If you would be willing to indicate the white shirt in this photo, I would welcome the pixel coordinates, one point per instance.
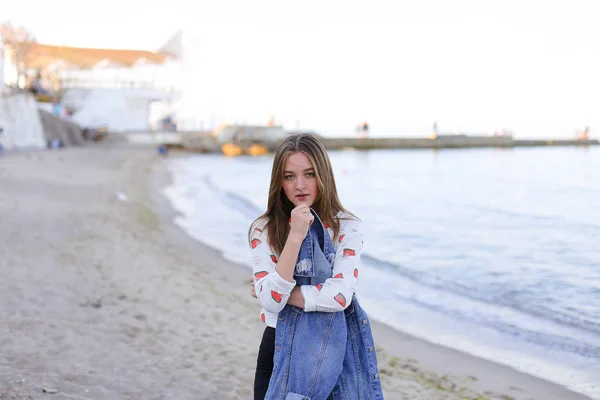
(335, 294)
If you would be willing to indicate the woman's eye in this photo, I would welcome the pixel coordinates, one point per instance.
(311, 174)
(288, 177)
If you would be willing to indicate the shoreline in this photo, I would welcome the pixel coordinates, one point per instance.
(104, 296)
(499, 381)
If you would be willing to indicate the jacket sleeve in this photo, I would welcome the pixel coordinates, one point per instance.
(335, 294)
(271, 289)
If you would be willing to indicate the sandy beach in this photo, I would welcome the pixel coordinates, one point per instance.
(103, 297)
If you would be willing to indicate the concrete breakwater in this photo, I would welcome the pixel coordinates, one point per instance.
(448, 142)
(207, 143)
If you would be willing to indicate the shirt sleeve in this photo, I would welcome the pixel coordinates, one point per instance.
(271, 289)
(335, 294)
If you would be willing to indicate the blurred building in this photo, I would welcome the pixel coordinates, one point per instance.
(117, 90)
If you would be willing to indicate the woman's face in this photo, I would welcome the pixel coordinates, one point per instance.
(299, 180)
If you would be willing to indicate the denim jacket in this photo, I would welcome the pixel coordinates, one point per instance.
(323, 355)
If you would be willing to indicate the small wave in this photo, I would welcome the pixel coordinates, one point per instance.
(536, 310)
(234, 200)
(548, 341)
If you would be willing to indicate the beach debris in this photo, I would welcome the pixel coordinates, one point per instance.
(94, 303)
(140, 317)
(162, 150)
(55, 144)
(122, 196)
(51, 391)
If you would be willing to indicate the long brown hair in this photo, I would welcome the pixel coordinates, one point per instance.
(327, 205)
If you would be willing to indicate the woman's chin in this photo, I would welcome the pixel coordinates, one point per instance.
(308, 201)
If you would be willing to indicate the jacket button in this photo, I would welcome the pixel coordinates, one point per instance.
(365, 322)
(376, 376)
(371, 348)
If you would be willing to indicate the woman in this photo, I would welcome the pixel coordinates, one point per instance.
(306, 256)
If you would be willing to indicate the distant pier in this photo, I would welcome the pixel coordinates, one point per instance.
(446, 142)
(265, 142)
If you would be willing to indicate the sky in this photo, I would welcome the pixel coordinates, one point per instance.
(474, 66)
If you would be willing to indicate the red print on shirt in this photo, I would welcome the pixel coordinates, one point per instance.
(341, 238)
(339, 276)
(255, 242)
(319, 286)
(340, 299)
(276, 296)
(349, 253)
(260, 274)
(262, 317)
(356, 273)
(273, 258)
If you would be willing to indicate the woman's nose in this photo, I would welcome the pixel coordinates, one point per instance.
(300, 183)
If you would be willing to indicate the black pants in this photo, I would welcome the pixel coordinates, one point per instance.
(264, 363)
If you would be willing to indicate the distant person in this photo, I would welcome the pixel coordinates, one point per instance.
(306, 251)
(57, 108)
(585, 135)
(162, 150)
(365, 129)
(435, 132)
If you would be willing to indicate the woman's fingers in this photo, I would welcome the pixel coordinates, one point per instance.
(252, 289)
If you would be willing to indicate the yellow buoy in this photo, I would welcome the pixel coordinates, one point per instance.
(257, 150)
(231, 150)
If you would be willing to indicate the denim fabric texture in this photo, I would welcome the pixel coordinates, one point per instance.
(321, 355)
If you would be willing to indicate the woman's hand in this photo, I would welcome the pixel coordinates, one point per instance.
(252, 289)
(301, 218)
(296, 298)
